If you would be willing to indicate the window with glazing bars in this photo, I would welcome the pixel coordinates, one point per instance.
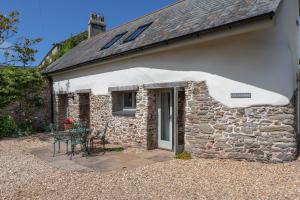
(137, 32)
(113, 41)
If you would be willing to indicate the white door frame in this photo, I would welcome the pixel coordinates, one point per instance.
(161, 143)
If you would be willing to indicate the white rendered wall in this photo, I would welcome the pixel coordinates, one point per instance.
(263, 63)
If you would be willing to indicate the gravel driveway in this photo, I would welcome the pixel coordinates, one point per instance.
(22, 176)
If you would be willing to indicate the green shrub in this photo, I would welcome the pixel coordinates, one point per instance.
(46, 128)
(8, 126)
(116, 149)
(23, 85)
(183, 156)
(23, 133)
(25, 128)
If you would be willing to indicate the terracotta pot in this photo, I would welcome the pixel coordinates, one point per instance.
(67, 126)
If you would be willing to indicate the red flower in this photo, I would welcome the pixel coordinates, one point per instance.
(69, 120)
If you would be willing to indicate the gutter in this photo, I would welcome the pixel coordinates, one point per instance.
(197, 34)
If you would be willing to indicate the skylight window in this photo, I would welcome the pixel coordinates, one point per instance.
(137, 32)
(113, 41)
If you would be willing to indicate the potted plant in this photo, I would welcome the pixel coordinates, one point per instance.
(68, 123)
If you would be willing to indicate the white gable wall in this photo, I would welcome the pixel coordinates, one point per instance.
(263, 62)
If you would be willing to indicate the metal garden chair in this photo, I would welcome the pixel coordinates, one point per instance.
(79, 134)
(58, 137)
(100, 135)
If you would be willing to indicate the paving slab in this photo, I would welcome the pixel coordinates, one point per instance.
(101, 161)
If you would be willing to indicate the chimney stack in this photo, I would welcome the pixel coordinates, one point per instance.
(96, 25)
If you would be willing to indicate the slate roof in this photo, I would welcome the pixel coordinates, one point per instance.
(177, 20)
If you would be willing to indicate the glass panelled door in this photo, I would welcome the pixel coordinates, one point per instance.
(165, 121)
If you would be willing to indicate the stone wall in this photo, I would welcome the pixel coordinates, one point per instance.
(152, 141)
(258, 133)
(207, 128)
(181, 117)
(100, 111)
(127, 129)
(73, 106)
(61, 110)
(40, 115)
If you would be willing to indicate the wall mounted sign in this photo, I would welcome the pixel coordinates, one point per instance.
(240, 95)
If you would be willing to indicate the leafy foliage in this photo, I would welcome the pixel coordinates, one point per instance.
(46, 128)
(8, 25)
(21, 84)
(66, 46)
(25, 128)
(73, 41)
(115, 149)
(183, 156)
(16, 50)
(8, 126)
(23, 87)
(23, 52)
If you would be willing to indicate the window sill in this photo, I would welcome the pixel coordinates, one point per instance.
(128, 112)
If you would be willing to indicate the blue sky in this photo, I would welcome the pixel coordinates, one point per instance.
(56, 20)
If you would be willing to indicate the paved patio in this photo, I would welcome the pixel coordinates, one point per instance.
(109, 160)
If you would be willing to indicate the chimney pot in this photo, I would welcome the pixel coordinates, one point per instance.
(96, 25)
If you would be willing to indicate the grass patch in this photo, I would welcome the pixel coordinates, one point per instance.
(183, 156)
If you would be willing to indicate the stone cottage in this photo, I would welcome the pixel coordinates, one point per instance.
(212, 77)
